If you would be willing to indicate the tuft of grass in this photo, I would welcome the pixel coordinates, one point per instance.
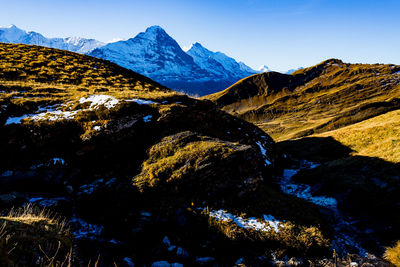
(169, 161)
(295, 237)
(392, 254)
(34, 237)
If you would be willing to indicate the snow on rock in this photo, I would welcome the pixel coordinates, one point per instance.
(15, 120)
(264, 153)
(129, 262)
(99, 100)
(166, 241)
(269, 223)
(84, 230)
(46, 202)
(88, 189)
(147, 118)
(54, 115)
(303, 190)
(165, 264)
(56, 161)
(141, 101)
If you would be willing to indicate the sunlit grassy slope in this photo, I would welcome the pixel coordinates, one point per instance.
(324, 97)
(375, 137)
(40, 74)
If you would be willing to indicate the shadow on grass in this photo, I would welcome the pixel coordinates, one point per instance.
(367, 188)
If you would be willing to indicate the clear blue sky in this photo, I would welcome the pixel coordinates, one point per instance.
(281, 34)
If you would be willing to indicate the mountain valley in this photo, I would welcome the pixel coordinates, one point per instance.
(111, 167)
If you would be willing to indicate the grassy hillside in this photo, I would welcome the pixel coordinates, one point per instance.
(31, 76)
(129, 162)
(324, 97)
(376, 137)
(345, 119)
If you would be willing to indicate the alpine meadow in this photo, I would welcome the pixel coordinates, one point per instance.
(140, 143)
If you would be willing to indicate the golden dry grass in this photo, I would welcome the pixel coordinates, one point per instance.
(40, 74)
(324, 97)
(32, 236)
(392, 254)
(376, 137)
(290, 235)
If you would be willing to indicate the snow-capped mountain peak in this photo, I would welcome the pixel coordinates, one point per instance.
(13, 34)
(153, 33)
(219, 63)
(199, 50)
(152, 53)
(263, 68)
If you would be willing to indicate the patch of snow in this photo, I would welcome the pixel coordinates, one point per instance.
(141, 101)
(147, 118)
(58, 161)
(303, 191)
(146, 214)
(54, 115)
(264, 153)
(166, 264)
(35, 199)
(88, 189)
(111, 181)
(84, 230)
(166, 241)
(16, 120)
(99, 100)
(269, 223)
(46, 202)
(129, 262)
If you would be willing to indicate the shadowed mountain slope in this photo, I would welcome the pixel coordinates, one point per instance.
(324, 97)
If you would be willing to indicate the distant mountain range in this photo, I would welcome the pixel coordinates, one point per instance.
(13, 34)
(157, 55)
(152, 53)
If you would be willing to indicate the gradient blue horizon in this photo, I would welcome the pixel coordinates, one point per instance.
(281, 34)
